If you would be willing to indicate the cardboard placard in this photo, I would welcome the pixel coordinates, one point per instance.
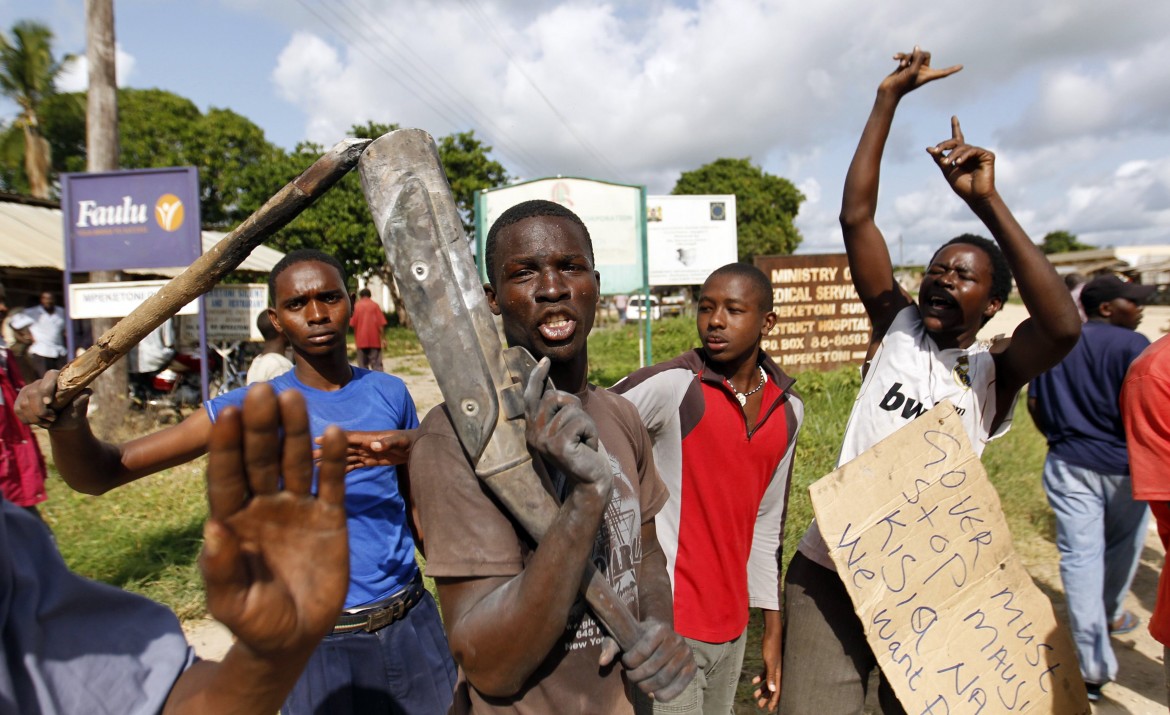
(918, 536)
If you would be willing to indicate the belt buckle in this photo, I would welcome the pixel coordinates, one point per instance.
(380, 619)
(385, 616)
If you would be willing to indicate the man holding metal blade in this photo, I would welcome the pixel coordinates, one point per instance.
(522, 636)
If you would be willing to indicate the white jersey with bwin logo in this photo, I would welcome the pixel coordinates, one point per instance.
(909, 375)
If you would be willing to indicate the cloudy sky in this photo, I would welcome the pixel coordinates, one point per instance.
(1072, 95)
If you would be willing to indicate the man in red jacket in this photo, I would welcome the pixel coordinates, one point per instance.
(22, 468)
(367, 323)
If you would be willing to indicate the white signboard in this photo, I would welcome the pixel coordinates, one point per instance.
(688, 237)
(232, 311)
(611, 212)
(115, 300)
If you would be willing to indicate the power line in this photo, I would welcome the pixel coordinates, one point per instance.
(474, 8)
(482, 119)
(436, 103)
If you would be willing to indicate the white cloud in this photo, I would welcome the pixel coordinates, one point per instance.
(1128, 94)
(1130, 205)
(74, 76)
(1066, 91)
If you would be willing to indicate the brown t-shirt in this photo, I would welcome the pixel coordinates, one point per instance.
(468, 535)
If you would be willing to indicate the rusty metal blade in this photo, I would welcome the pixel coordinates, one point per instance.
(423, 269)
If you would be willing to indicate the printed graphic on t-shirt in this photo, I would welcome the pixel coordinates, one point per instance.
(617, 551)
(907, 405)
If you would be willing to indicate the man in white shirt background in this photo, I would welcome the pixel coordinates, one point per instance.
(48, 331)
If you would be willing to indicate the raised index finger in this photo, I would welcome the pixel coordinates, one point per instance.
(534, 390)
(946, 71)
(956, 131)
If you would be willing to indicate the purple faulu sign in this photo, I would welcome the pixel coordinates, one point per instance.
(146, 218)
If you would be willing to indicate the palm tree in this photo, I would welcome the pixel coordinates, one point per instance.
(27, 75)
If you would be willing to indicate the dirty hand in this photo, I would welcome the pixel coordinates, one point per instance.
(275, 560)
(560, 431)
(32, 405)
(661, 663)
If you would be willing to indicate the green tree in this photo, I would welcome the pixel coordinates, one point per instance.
(28, 72)
(469, 171)
(1063, 242)
(339, 222)
(765, 205)
(161, 129)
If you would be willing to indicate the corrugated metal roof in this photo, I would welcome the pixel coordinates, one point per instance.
(32, 237)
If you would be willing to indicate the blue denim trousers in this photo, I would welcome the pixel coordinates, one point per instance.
(1100, 531)
(404, 668)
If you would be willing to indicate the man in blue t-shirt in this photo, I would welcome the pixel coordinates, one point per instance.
(388, 652)
(1100, 529)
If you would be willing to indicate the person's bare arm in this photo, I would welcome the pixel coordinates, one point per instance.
(869, 258)
(92, 466)
(1054, 326)
(414, 521)
(483, 615)
(275, 561)
(767, 694)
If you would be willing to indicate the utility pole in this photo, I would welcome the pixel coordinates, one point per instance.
(111, 389)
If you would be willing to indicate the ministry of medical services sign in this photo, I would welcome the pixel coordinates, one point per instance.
(147, 218)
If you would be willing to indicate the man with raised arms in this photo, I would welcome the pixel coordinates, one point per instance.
(920, 353)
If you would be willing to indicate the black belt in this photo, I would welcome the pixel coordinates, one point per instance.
(393, 608)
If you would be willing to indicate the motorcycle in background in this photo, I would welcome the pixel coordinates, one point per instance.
(164, 381)
(170, 393)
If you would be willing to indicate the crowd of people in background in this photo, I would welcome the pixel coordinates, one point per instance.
(322, 485)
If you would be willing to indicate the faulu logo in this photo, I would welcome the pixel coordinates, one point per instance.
(168, 212)
(90, 213)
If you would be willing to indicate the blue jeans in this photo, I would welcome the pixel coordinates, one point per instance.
(405, 668)
(1100, 531)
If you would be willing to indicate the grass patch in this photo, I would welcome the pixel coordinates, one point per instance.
(613, 350)
(398, 341)
(144, 537)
